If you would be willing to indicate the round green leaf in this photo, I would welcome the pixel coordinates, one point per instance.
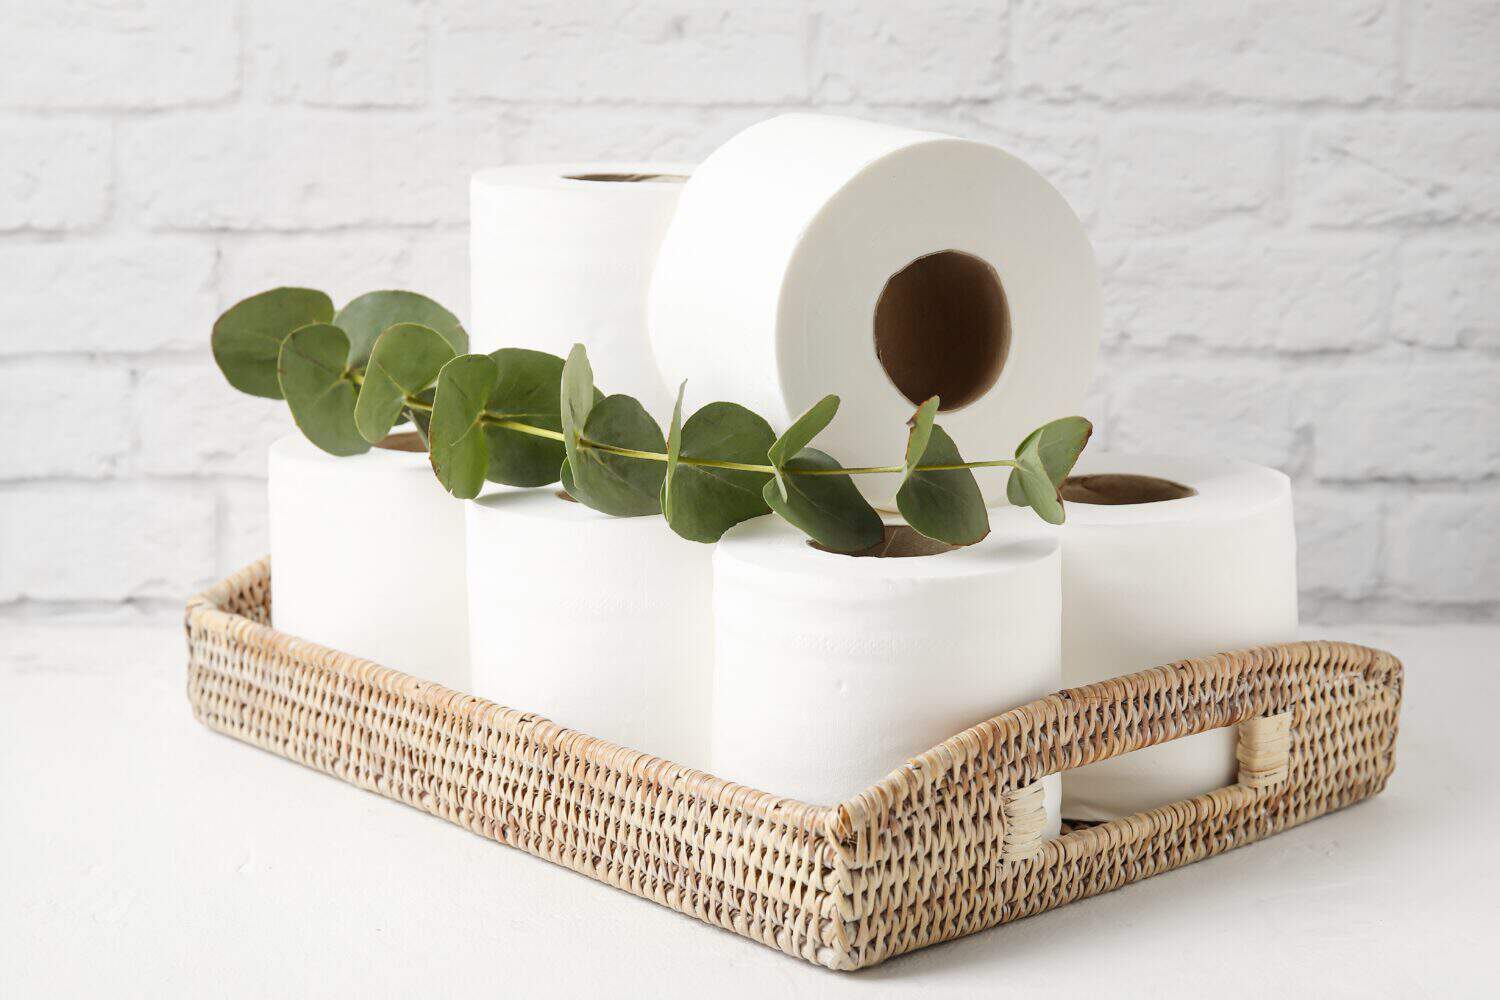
(702, 503)
(456, 442)
(829, 509)
(945, 504)
(617, 484)
(405, 361)
(800, 435)
(527, 390)
(315, 381)
(247, 337)
(367, 317)
(1040, 491)
(921, 431)
(1058, 445)
(576, 398)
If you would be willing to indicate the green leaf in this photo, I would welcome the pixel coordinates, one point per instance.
(315, 382)
(829, 509)
(576, 400)
(945, 504)
(406, 360)
(1040, 491)
(800, 435)
(456, 440)
(367, 317)
(527, 391)
(702, 503)
(916, 441)
(617, 484)
(674, 452)
(247, 337)
(1058, 445)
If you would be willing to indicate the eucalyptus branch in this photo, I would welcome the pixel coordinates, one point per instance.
(526, 418)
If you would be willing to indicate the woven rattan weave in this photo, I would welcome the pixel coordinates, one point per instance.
(945, 846)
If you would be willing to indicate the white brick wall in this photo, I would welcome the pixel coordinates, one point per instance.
(1296, 207)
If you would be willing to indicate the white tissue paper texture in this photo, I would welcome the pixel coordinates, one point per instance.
(767, 284)
(1148, 583)
(556, 261)
(831, 671)
(602, 624)
(367, 557)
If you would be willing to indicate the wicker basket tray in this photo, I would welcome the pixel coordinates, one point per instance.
(945, 846)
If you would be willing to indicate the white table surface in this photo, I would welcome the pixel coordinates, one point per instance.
(146, 856)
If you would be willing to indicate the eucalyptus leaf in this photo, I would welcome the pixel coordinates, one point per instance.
(617, 484)
(800, 435)
(364, 319)
(576, 399)
(674, 452)
(945, 504)
(1041, 492)
(315, 381)
(1058, 445)
(247, 337)
(702, 503)
(916, 440)
(406, 360)
(456, 440)
(829, 509)
(527, 391)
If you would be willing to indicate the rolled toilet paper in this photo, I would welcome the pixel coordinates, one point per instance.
(813, 254)
(562, 253)
(1165, 559)
(367, 557)
(831, 671)
(602, 624)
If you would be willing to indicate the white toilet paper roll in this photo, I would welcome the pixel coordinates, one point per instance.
(1163, 578)
(367, 557)
(813, 255)
(562, 253)
(602, 624)
(831, 671)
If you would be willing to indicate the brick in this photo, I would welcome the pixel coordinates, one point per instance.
(687, 52)
(193, 423)
(340, 53)
(1446, 547)
(1406, 169)
(115, 296)
(1270, 292)
(1338, 50)
(572, 133)
(1245, 410)
(243, 536)
(54, 175)
(342, 264)
(105, 542)
(1445, 295)
(74, 420)
(293, 171)
(143, 54)
(1171, 175)
(896, 52)
(1451, 54)
(1415, 420)
(1340, 536)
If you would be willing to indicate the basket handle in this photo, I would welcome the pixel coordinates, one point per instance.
(1264, 752)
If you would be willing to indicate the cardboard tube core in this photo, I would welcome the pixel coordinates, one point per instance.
(1119, 489)
(942, 328)
(403, 441)
(629, 178)
(901, 542)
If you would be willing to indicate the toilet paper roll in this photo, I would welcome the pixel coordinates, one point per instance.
(831, 671)
(813, 255)
(1165, 559)
(367, 556)
(562, 254)
(602, 624)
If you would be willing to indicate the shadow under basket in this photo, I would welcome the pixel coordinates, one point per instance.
(948, 844)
